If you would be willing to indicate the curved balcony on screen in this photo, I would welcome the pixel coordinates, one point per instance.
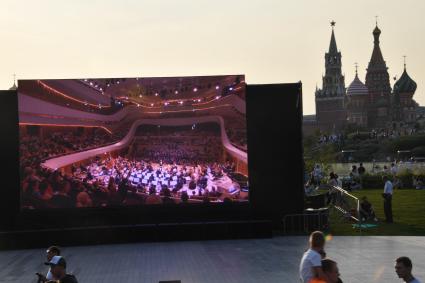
(60, 162)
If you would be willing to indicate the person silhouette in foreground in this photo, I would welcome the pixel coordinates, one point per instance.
(311, 262)
(330, 269)
(58, 269)
(403, 268)
(50, 253)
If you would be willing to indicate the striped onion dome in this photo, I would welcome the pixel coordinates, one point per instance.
(357, 87)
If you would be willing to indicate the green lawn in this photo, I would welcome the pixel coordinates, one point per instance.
(408, 214)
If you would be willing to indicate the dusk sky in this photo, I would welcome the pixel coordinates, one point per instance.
(268, 41)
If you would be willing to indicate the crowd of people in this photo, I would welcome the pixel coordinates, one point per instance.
(317, 267)
(330, 139)
(391, 133)
(33, 149)
(353, 179)
(236, 128)
(184, 145)
(168, 164)
(182, 150)
(238, 138)
(378, 134)
(335, 195)
(121, 129)
(38, 185)
(119, 181)
(179, 183)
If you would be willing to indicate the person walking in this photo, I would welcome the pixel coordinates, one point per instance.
(311, 262)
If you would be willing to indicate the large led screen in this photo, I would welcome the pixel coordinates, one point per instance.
(132, 142)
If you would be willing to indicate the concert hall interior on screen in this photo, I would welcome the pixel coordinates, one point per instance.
(132, 141)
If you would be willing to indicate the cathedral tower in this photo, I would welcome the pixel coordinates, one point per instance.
(378, 84)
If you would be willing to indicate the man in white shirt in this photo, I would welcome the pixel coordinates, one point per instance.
(403, 268)
(311, 262)
(388, 195)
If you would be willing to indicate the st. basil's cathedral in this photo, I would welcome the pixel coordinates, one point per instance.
(373, 104)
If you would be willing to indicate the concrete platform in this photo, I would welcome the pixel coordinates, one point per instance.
(360, 259)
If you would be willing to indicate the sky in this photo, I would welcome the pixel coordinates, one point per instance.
(270, 41)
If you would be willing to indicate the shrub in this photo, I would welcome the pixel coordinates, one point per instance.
(403, 179)
(406, 143)
(373, 181)
(406, 178)
(418, 151)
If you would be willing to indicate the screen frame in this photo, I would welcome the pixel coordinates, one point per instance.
(255, 208)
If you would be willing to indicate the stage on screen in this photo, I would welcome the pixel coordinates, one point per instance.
(132, 142)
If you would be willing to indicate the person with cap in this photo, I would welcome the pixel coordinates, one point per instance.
(50, 253)
(58, 270)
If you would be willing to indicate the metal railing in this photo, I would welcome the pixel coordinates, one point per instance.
(318, 219)
(341, 204)
(306, 222)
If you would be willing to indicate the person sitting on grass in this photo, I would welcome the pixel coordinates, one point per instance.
(418, 184)
(366, 210)
(354, 185)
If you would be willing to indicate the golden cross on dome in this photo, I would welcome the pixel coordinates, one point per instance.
(376, 20)
(356, 65)
(404, 61)
(333, 24)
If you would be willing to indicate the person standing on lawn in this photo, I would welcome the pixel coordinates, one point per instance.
(388, 196)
